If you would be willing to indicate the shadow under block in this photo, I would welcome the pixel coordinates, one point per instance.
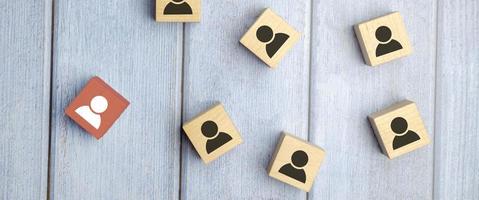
(383, 39)
(178, 10)
(399, 129)
(296, 162)
(270, 38)
(212, 133)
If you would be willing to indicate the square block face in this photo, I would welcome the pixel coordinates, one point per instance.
(97, 107)
(399, 129)
(296, 162)
(212, 133)
(383, 39)
(178, 10)
(270, 38)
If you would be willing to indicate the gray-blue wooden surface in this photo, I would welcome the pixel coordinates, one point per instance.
(321, 91)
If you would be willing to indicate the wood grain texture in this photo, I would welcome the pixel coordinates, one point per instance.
(261, 101)
(367, 34)
(393, 141)
(291, 157)
(457, 99)
(344, 91)
(139, 156)
(25, 66)
(223, 136)
(280, 32)
(162, 5)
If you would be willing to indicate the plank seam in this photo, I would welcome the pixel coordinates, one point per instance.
(180, 170)
(310, 18)
(435, 104)
(50, 115)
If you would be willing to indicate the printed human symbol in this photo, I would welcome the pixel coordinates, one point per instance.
(270, 38)
(299, 159)
(96, 107)
(177, 7)
(273, 41)
(212, 133)
(399, 128)
(91, 113)
(386, 43)
(295, 161)
(403, 136)
(215, 139)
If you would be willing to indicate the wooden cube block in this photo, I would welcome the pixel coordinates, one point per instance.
(399, 129)
(97, 107)
(383, 39)
(296, 162)
(212, 133)
(178, 10)
(270, 37)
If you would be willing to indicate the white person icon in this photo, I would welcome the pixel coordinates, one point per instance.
(91, 113)
(97, 107)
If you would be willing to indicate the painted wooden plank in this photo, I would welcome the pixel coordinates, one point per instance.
(344, 91)
(25, 55)
(457, 101)
(261, 101)
(120, 42)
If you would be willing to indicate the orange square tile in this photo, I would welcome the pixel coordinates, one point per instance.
(97, 107)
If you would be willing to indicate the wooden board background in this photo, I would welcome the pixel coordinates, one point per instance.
(321, 91)
(25, 71)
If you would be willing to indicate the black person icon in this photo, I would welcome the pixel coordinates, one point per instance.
(177, 7)
(274, 42)
(294, 169)
(386, 43)
(215, 139)
(403, 135)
